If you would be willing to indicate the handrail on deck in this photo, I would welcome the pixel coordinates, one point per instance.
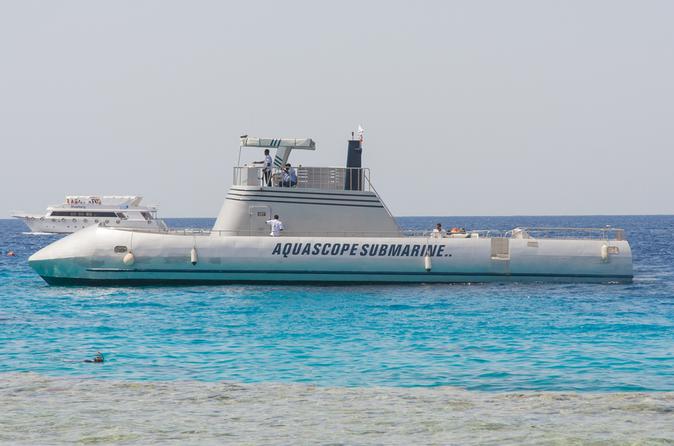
(526, 233)
(324, 178)
(558, 232)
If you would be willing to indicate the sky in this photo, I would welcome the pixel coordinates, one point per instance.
(470, 107)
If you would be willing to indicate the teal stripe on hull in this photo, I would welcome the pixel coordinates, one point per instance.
(317, 277)
(362, 273)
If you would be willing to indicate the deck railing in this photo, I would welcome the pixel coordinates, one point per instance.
(560, 233)
(324, 178)
(607, 233)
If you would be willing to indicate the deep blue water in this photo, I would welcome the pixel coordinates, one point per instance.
(489, 337)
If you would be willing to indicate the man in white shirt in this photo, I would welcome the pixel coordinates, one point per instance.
(437, 231)
(276, 226)
(266, 167)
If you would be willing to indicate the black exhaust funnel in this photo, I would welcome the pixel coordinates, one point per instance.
(354, 176)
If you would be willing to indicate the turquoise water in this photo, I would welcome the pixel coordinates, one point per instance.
(483, 337)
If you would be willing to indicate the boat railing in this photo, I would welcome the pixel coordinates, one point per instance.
(324, 178)
(607, 233)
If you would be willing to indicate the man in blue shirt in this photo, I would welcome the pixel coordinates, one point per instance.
(289, 176)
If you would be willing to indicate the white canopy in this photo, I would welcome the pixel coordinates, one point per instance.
(273, 143)
(104, 200)
(283, 146)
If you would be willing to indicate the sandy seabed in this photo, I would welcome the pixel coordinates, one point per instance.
(37, 409)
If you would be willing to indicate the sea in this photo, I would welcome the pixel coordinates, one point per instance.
(463, 364)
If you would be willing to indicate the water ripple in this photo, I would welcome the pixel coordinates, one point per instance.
(486, 337)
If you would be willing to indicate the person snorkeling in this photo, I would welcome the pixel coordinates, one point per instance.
(98, 358)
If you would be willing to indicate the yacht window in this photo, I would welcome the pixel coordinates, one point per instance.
(82, 214)
(120, 249)
(146, 215)
(122, 215)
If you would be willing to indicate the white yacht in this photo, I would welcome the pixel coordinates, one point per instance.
(80, 211)
(337, 229)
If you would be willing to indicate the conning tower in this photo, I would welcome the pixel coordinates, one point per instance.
(325, 201)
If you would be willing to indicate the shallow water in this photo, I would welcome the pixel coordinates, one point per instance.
(87, 411)
(344, 364)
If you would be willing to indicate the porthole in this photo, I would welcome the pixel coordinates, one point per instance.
(74, 220)
(96, 221)
(120, 249)
(117, 221)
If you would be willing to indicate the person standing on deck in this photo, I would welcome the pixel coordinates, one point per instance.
(276, 226)
(266, 167)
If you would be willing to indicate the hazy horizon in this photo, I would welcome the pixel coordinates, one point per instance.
(470, 109)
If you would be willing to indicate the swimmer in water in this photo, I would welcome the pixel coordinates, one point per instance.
(97, 358)
(10, 253)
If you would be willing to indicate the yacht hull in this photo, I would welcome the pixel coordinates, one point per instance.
(40, 224)
(96, 256)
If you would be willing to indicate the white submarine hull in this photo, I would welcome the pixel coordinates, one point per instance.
(100, 256)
